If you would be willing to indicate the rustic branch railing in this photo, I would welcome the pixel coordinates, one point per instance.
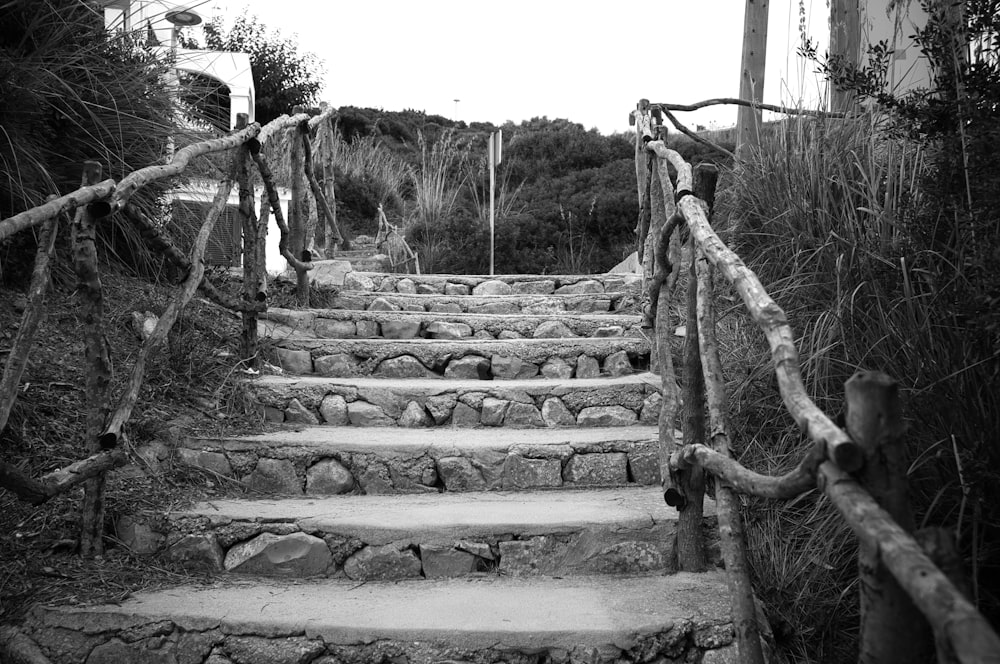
(93, 202)
(899, 581)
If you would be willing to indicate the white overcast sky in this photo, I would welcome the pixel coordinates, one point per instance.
(586, 61)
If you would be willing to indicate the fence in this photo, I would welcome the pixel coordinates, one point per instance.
(860, 470)
(94, 201)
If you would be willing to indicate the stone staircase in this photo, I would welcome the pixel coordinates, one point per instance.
(463, 469)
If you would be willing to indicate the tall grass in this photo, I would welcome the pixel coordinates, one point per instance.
(832, 215)
(437, 184)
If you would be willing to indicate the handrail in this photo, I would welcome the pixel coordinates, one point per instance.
(962, 631)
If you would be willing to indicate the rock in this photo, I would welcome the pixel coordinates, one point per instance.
(726, 655)
(509, 334)
(505, 368)
(401, 329)
(338, 365)
(295, 361)
(446, 330)
(538, 555)
(368, 329)
(556, 367)
(464, 416)
(536, 287)
(404, 366)
(592, 306)
(297, 555)
(468, 367)
(358, 281)
(650, 413)
(553, 329)
(555, 413)
(713, 636)
(606, 416)
(364, 414)
(492, 287)
(382, 563)
(296, 413)
(587, 367)
(602, 551)
(274, 476)
(326, 328)
(483, 334)
(608, 468)
(644, 467)
(272, 414)
(581, 287)
(445, 308)
(445, 561)
(328, 477)
(521, 415)
(478, 549)
(138, 536)
(430, 289)
(260, 650)
(617, 364)
(440, 407)
(197, 552)
(456, 289)
(374, 477)
(382, 304)
(458, 474)
(119, 652)
(415, 417)
(413, 306)
(406, 285)
(528, 370)
(522, 473)
(387, 285)
(333, 409)
(213, 462)
(609, 331)
(493, 411)
(496, 308)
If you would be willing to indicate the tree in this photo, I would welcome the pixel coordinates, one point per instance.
(283, 77)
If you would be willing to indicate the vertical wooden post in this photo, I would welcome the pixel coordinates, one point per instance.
(254, 285)
(845, 42)
(98, 360)
(748, 120)
(298, 211)
(893, 631)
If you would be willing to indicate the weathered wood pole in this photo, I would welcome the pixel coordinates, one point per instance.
(254, 279)
(97, 360)
(892, 629)
(298, 212)
(748, 120)
(845, 43)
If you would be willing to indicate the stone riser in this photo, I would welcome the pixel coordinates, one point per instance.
(426, 403)
(279, 323)
(279, 466)
(467, 359)
(683, 618)
(509, 284)
(541, 305)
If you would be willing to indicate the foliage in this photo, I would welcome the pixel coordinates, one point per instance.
(283, 77)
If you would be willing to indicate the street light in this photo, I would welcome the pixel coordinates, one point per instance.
(183, 18)
(456, 108)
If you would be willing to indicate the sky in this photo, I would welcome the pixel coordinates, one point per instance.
(587, 62)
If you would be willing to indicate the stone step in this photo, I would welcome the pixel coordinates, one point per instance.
(389, 537)
(484, 359)
(278, 323)
(600, 620)
(423, 402)
(485, 304)
(503, 284)
(332, 460)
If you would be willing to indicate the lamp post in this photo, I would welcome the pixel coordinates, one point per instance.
(456, 108)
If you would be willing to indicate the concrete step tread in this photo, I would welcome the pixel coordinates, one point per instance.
(445, 517)
(489, 304)
(607, 615)
(435, 385)
(419, 441)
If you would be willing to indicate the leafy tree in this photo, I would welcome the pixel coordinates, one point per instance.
(283, 77)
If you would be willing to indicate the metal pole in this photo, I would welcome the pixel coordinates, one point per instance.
(493, 166)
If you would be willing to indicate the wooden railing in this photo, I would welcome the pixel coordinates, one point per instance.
(95, 201)
(861, 470)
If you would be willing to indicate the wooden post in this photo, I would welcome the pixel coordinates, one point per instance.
(254, 284)
(845, 42)
(98, 361)
(892, 629)
(298, 211)
(748, 120)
